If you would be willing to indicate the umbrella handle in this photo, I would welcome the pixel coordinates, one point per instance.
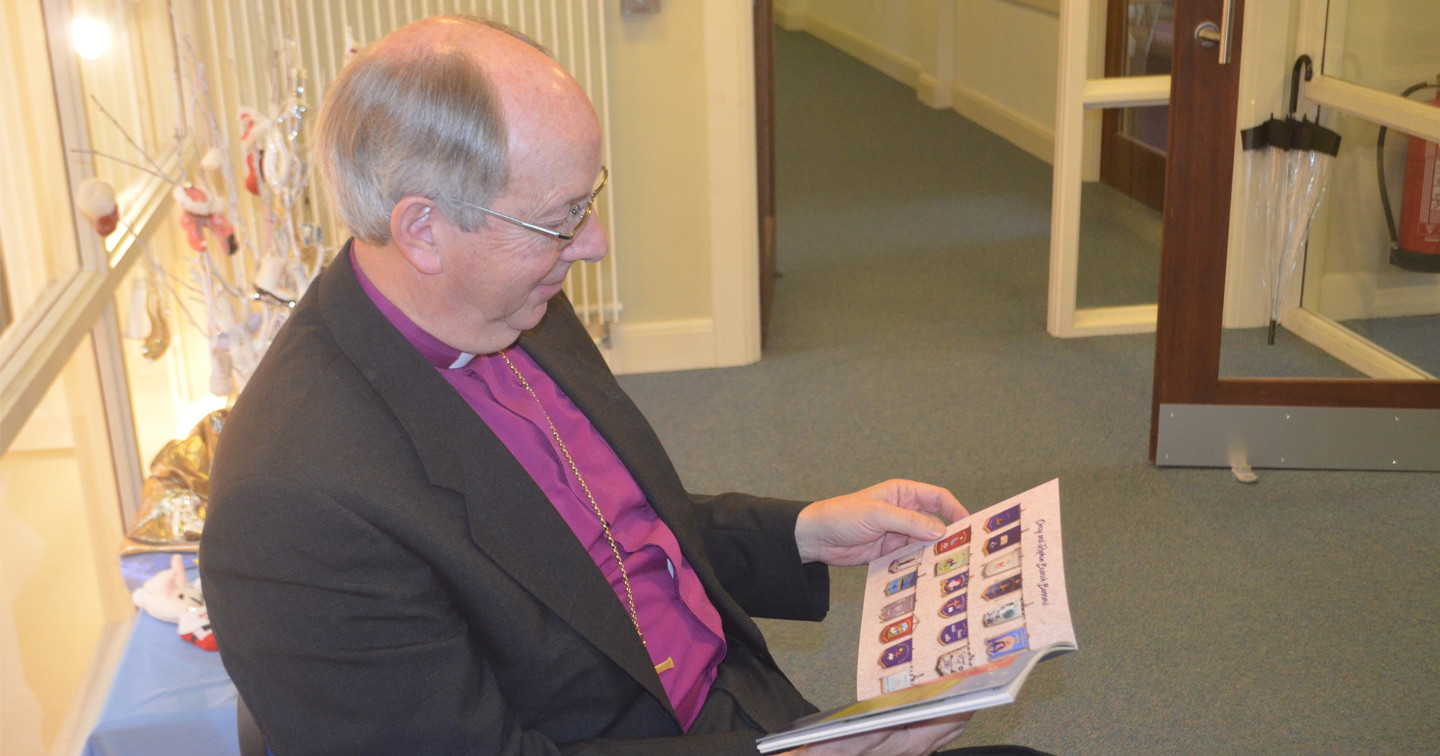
(1301, 62)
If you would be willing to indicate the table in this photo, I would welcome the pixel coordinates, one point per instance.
(167, 696)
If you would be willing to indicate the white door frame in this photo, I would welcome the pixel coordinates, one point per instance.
(1077, 135)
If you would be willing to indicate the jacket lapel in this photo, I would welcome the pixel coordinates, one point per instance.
(511, 520)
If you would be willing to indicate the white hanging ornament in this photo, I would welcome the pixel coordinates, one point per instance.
(222, 367)
(214, 165)
(270, 274)
(275, 161)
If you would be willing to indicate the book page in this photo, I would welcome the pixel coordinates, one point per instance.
(992, 587)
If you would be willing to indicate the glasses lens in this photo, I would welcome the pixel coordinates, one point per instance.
(577, 225)
(577, 220)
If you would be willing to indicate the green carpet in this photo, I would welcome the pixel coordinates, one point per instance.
(1296, 615)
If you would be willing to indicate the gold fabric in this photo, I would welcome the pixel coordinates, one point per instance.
(174, 497)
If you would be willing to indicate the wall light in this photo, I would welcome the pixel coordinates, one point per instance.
(90, 36)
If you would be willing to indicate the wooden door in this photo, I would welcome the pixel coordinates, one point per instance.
(1139, 41)
(1192, 284)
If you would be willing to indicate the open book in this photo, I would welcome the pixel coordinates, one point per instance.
(957, 624)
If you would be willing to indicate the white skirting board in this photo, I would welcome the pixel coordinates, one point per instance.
(1347, 296)
(662, 346)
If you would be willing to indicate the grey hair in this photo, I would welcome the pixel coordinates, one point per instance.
(426, 123)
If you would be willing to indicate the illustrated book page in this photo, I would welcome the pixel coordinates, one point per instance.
(956, 624)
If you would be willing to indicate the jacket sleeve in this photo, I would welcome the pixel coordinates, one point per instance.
(343, 641)
(751, 542)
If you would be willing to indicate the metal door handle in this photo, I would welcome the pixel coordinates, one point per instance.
(1209, 34)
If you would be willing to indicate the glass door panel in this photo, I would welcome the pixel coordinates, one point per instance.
(130, 90)
(1351, 278)
(1382, 45)
(1387, 297)
(1344, 296)
(1119, 251)
(1344, 276)
(36, 259)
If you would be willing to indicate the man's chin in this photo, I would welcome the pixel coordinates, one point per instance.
(530, 316)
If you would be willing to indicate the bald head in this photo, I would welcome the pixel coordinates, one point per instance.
(442, 108)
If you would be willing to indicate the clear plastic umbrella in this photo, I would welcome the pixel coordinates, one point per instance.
(1287, 165)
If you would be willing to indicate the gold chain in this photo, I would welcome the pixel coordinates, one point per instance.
(604, 524)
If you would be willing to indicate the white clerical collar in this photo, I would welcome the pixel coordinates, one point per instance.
(461, 361)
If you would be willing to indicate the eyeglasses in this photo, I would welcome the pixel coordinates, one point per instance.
(575, 221)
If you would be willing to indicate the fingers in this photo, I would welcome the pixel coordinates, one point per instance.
(917, 525)
(855, 528)
(922, 497)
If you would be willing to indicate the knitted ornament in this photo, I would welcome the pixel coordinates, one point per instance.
(201, 209)
(170, 597)
(194, 626)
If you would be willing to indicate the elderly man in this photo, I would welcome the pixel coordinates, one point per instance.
(437, 524)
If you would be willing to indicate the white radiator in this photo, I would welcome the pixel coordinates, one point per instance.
(239, 42)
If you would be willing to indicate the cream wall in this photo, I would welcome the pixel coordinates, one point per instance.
(682, 136)
(657, 143)
(1006, 59)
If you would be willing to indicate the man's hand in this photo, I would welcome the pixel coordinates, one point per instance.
(919, 739)
(858, 527)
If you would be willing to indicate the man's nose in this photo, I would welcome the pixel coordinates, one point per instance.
(590, 245)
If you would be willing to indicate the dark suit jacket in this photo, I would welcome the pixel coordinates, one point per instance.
(384, 577)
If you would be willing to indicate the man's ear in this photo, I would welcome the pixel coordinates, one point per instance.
(413, 228)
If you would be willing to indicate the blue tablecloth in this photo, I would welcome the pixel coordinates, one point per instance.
(168, 696)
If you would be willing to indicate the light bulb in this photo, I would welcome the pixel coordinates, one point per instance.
(90, 36)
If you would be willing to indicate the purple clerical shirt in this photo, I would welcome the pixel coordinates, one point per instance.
(678, 620)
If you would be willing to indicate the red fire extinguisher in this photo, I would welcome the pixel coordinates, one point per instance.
(1415, 245)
